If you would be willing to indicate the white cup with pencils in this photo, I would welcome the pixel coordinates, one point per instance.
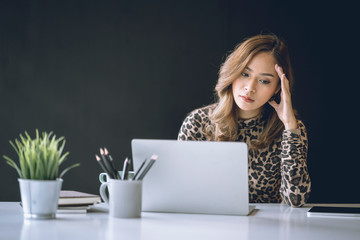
(125, 187)
(124, 198)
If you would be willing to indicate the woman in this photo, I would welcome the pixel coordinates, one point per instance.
(254, 106)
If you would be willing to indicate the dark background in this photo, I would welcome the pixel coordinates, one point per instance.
(101, 73)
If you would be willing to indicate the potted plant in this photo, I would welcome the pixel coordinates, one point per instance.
(40, 182)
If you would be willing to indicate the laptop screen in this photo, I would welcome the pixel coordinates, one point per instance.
(194, 176)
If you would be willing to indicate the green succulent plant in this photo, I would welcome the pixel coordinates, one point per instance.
(39, 158)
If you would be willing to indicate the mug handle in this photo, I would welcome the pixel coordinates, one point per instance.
(102, 177)
(102, 192)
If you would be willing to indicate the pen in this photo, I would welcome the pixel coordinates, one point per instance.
(147, 168)
(107, 154)
(125, 169)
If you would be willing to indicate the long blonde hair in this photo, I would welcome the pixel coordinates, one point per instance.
(224, 116)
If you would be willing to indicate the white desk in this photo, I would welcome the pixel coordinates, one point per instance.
(269, 221)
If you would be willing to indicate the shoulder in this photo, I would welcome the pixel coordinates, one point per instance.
(195, 124)
(201, 114)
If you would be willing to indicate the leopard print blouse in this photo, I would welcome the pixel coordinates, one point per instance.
(277, 172)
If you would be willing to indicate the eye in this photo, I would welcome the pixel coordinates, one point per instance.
(244, 74)
(264, 81)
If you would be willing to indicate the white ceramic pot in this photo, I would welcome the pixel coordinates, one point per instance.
(40, 198)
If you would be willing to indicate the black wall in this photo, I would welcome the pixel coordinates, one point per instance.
(101, 73)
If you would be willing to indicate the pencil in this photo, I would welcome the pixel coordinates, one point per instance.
(107, 154)
(147, 168)
(138, 171)
(98, 159)
(107, 165)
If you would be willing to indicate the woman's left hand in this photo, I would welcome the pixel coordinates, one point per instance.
(284, 109)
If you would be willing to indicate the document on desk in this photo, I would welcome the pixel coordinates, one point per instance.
(334, 212)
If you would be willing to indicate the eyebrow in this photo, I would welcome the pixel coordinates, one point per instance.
(263, 74)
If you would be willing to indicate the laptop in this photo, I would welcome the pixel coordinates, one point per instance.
(202, 177)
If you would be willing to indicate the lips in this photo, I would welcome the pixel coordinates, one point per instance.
(246, 99)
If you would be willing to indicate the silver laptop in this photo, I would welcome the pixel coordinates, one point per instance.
(194, 176)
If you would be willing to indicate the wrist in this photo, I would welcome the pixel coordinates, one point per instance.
(292, 124)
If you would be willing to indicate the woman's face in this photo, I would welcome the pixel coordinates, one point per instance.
(256, 85)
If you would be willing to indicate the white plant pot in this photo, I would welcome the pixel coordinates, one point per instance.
(40, 198)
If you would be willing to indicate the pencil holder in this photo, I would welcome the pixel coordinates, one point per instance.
(124, 198)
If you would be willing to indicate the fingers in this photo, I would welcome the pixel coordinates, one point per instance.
(273, 104)
(284, 81)
(279, 71)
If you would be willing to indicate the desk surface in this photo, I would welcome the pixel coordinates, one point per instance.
(268, 221)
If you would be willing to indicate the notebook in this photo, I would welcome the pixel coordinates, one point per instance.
(323, 211)
(72, 198)
(194, 176)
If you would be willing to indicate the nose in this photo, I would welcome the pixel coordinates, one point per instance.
(250, 86)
